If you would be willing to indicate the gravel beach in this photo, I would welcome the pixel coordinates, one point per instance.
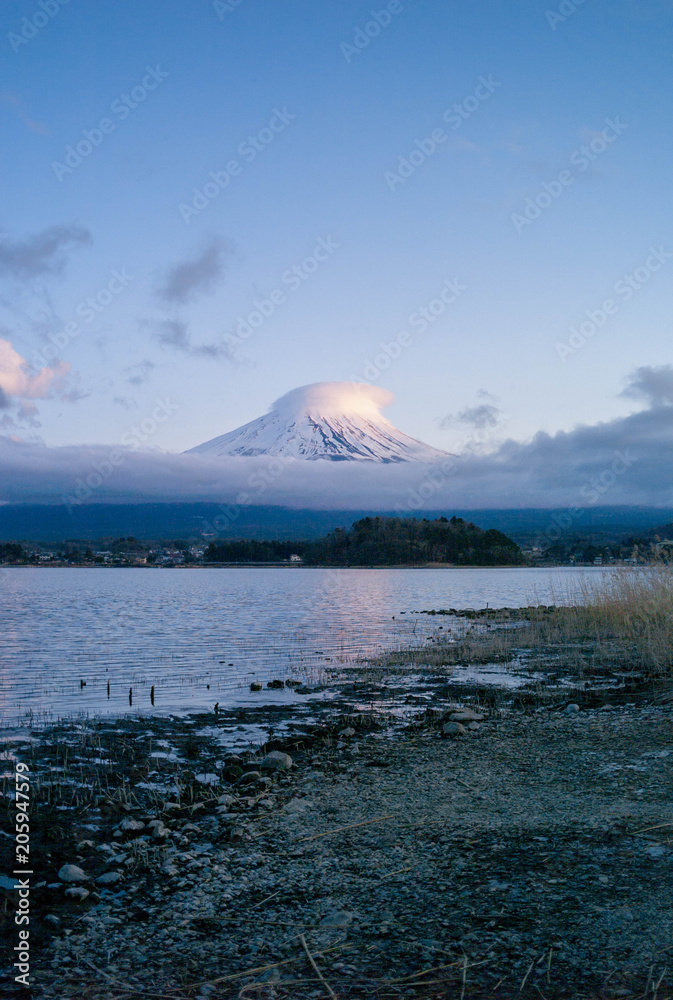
(530, 854)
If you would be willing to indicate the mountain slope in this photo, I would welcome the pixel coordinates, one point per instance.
(336, 421)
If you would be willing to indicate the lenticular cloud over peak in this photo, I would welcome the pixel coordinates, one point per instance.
(329, 398)
(335, 421)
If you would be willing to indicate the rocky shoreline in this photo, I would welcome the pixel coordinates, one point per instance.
(505, 849)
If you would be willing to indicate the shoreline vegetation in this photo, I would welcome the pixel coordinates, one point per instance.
(371, 542)
(417, 838)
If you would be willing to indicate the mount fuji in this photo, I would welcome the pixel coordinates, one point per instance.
(333, 421)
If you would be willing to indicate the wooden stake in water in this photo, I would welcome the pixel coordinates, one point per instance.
(108, 689)
(130, 696)
(152, 694)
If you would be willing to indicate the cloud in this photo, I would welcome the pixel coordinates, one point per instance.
(43, 253)
(653, 384)
(140, 373)
(484, 416)
(173, 334)
(622, 461)
(200, 275)
(16, 381)
(4, 399)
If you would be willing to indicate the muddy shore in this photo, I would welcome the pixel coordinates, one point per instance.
(529, 855)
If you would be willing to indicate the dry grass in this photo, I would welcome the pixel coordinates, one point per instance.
(622, 619)
(630, 609)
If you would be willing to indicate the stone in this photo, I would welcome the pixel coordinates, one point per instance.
(255, 686)
(466, 715)
(226, 800)
(453, 729)
(275, 685)
(51, 918)
(109, 878)
(297, 805)
(160, 832)
(131, 825)
(339, 918)
(71, 873)
(249, 778)
(277, 761)
(572, 708)
(78, 893)
(347, 732)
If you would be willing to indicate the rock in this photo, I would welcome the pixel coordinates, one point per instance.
(347, 732)
(77, 893)
(255, 686)
(8, 884)
(277, 761)
(51, 918)
(572, 708)
(339, 918)
(292, 683)
(159, 831)
(249, 778)
(473, 726)
(237, 835)
(109, 878)
(297, 805)
(453, 729)
(275, 685)
(466, 715)
(226, 800)
(71, 873)
(131, 825)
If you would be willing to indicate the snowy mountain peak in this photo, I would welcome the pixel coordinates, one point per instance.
(336, 421)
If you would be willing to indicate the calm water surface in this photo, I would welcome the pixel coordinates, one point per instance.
(182, 630)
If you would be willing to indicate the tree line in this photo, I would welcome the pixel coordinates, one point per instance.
(383, 541)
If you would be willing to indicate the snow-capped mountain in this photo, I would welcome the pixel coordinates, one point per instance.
(337, 421)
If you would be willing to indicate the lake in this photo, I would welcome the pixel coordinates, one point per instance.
(200, 636)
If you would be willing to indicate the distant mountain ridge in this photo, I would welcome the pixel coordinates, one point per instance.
(333, 421)
(198, 520)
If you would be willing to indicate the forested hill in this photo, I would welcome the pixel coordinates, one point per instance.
(391, 541)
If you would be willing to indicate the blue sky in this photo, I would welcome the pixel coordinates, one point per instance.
(344, 117)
